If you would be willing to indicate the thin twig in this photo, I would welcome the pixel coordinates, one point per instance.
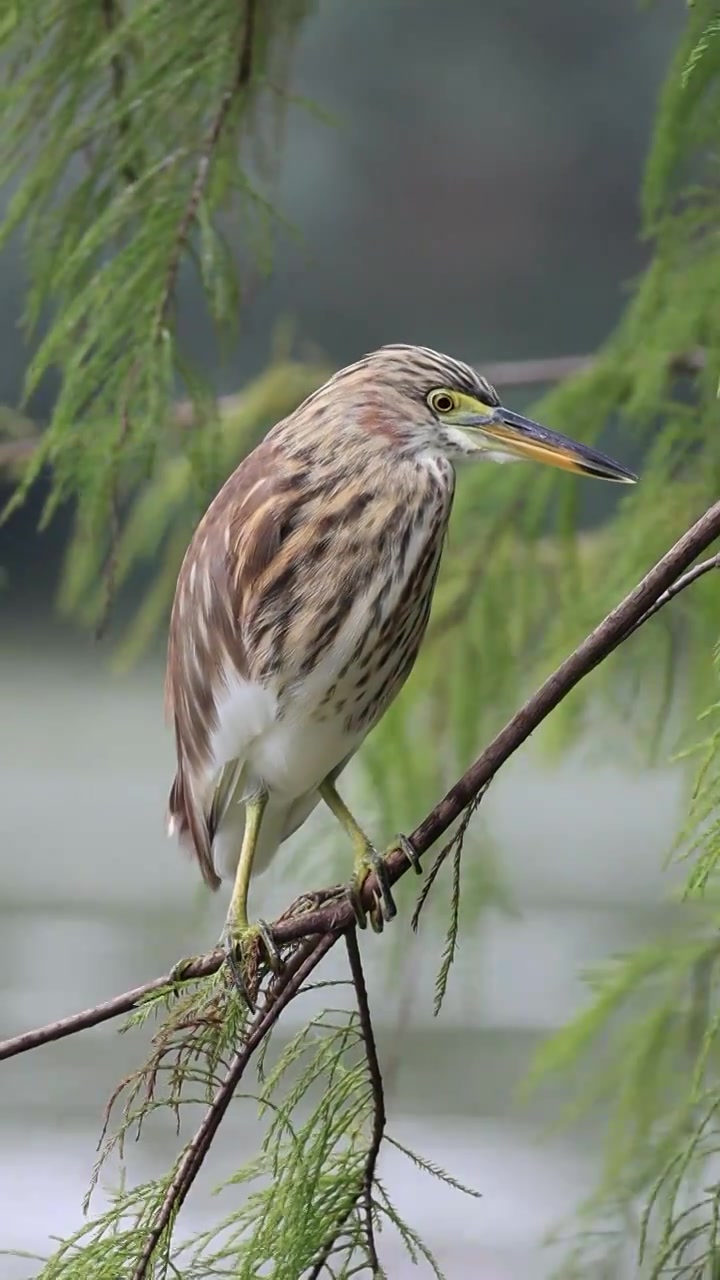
(240, 81)
(367, 1181)
(378, 1126)
(108, 575)
(503, 373)
(307, 959)
(663, 582)
(701, 991)
(111, 16)
(208, 147)
(456, 839)
(686, 580)
(523, 373)
(201, 967)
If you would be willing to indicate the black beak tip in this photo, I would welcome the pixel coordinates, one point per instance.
(615, 473)
(622, 476)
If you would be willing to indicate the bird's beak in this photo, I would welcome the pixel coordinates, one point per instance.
(524, 438)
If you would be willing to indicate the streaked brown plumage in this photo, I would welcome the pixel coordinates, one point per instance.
(305, 592)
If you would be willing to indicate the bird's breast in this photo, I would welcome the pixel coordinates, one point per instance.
(374, 624)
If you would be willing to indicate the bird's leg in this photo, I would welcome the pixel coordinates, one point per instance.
(366, 859)
(238, 933)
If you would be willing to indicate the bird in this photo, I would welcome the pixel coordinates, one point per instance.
(302, 601)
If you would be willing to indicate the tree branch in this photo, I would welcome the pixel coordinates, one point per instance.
(201, 967)
(684, 581)
(241, 80)
(365, 1188)
(503, 373)
(665, 580)
(601, 642)
(111, 16)
(300, 967)
(209, 145)
(525, 373)
(378, 1094)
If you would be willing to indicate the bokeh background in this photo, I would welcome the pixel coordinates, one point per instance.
(476, 191)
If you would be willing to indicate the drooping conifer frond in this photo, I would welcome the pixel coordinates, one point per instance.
(127, 130)
(647, 1048)
(130, 131)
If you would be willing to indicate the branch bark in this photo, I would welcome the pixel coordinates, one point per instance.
(365, 1188)
(378, 1094)
(240, 81)
(503, 373)
(111, 17)
(671, 575)
(302, 965)
(316, 932)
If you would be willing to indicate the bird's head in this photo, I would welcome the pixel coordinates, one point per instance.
(431, 403)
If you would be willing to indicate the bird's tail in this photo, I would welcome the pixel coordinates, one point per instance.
(187, 820)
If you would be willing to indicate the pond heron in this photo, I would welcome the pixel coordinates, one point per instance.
(303, 598)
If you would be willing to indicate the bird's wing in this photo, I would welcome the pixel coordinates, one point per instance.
(232, 556)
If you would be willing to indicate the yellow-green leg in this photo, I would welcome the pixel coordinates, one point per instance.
(365, 858)
(238, 933)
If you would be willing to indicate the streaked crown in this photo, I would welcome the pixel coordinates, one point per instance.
(415, 371)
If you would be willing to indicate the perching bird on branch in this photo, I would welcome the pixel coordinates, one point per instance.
(304, 596)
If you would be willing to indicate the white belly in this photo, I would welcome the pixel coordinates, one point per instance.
(295, 756)
(289, 742)
(293, 749)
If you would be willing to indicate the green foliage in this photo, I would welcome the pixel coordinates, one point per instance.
(455, 847)
(160, 514)
(520, 588)
(645, 1053)
(127, 133)
(701, 833)
(518, 585)
(300, 1204)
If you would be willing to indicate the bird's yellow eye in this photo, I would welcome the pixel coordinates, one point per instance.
(442, 401)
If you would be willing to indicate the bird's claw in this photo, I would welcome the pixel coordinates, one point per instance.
(272, 953)
(383, 908)
(239, 968)
(178, 971)
(244, 966)
(407, 847)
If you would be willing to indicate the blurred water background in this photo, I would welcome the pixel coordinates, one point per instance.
(477, 192)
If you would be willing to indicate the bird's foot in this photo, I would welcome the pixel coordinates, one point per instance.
(178, 971)
(243, 954)
(383, 908)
